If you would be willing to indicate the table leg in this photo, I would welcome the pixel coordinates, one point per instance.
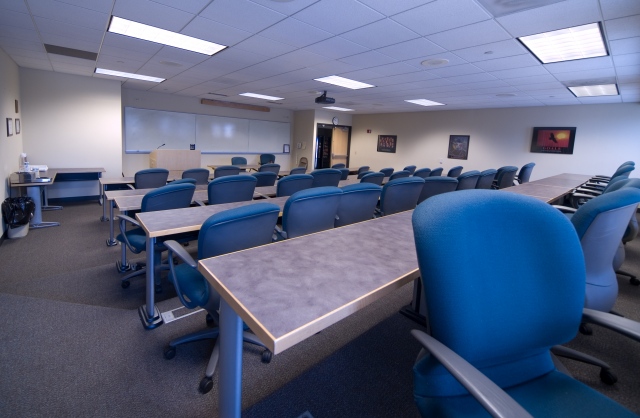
(149, 313)
(102, 202)
(46, 201)
(230, 363)
(111, 241)
(34, 192)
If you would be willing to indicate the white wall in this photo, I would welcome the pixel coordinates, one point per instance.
(10, 147)
(606, 136)
(170, 102)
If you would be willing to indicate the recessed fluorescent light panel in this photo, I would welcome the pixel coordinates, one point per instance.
(161, 36)
(344, 82)
(424, 102)
(129, 75)
(261, 96)
(568, 44)
(341, 109)
(593, 91)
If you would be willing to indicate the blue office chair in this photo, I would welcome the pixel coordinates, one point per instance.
(270, 167)
(225, 232)
(490, 337)
(238, 161)
(265, 178)
(606, 178)
(387, 171)
(326, 177)
(437, 185)
(309, 211)
(298, 170)
(436, 172)
(454, 171)
(267, 159)
(227, 189)
(150, 178)
(201, 175)
(410, 168)
(373, 177)
(485, 181)
(344, 173)
(399, 195)
(624, 168)
(468, 180)
(171, 196)
(339, 165)
(524, 174)
(186, 180)
(358, 203)
(364, 173)
(293, 183)
(504, 177)
(422, 172)
(363, 169)
(399, 175)
(225, 170)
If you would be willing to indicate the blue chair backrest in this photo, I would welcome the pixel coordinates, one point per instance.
(436, 172)
(361, 174)
(287, 186)
(151, 178)
(339, 165)
(311, 210)
(525, 173)
(468, 180)
(399, 175)
(624, 171)
(238, 160)
(265, 178)
(326, 177)
(373, 177)
(400, 194)
(437, 185)
(490, 313)
(410, 168)
(387, 171)
(271, 167)
(225, 170)
(358, 203)
(171, 196)
(201, 175)
(486, 178)
(267, 158)
(344, 173)
(454, 171)
(186, 180)
(298, 170)
(363, 169)
(423, 172)
(505, 176)
(237, 229)
(227, 189)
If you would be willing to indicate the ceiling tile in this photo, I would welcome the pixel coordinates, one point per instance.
(613, 9)
(213, 31)
(380, 34)
(625, 46)
(492, 51)
(390, 8)
(625, 60)
(367, 59)
(472, 35)
(520, 72)
(14, 5)
(589, 76)
(456, 70)
(395, 68)
(53, 27)
(551, 85)
(414, 48)
(544, 78)
(15, 19)
(262, 45)
(626, 27)
(577, 65)
(440, 16)
(338, 16)
(20, 44)
(36, 63)
(295, 32)
(67, 13)
(336, 48)
(242, 14)
(26, 53)
(189, 6)
(285, 7)
(519, 61)
(152, 13)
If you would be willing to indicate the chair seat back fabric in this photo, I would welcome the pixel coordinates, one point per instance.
(293, 183)
(505, 176)
(361, 174)
(363, 169)
(265, 178)
(454, 171)
(225, 170)
(358, 203)
(298, 170)
(399, 175)
(151, 178)
(387, 171)
(326, 177)
(267, 159)
(422, 172)
(271, 167)
(171, 196)
(373, 177)
(410, 168)
(486, 178)
(400, 194)
(437, 185)
(339, 165)
(200, 175)
(525, 173)
(436, 172)
(344, 173)
(238, 161)
(468, 180)
(227, 189)
(311, 210)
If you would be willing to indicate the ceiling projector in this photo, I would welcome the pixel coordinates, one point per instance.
(324, 99)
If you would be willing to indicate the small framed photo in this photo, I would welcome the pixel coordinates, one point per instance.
(553, 140)
(458, 147)
(286, 149)
(9, 126)
(17, 126)
(387, 143)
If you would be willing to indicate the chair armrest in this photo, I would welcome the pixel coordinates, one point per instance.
(495, 400)
(131, 186)
(592, 192)
(126, 218)
(175, 248)
(616, 323)
(584, 196)
(565, 209)
(279, 234)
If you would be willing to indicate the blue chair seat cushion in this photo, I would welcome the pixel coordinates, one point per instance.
(137, 238)
(563, 397)
(193, 285)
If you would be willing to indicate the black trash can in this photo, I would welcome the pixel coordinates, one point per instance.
(17, 212)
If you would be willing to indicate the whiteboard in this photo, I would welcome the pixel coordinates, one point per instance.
(147, 129)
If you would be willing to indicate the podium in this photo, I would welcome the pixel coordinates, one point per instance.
(175, 159)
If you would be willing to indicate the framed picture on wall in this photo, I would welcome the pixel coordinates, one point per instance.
(9, 126)
(286, 148)
(553, 140)
(387, 143)
(17, 126)
(458, 147)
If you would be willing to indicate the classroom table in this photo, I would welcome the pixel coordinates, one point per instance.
(160, 224)
(550, 189)
(253, 167)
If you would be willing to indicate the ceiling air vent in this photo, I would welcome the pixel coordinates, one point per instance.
(70, 52)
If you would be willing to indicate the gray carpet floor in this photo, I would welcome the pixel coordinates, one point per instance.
(71, 343)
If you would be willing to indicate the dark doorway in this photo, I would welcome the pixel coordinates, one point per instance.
(332, 145)
(323, 147)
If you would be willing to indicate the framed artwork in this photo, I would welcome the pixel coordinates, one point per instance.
(9, 126)
(458, 147)
(387, 143)
(17, 126)
(553, 140)
(286, 148)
